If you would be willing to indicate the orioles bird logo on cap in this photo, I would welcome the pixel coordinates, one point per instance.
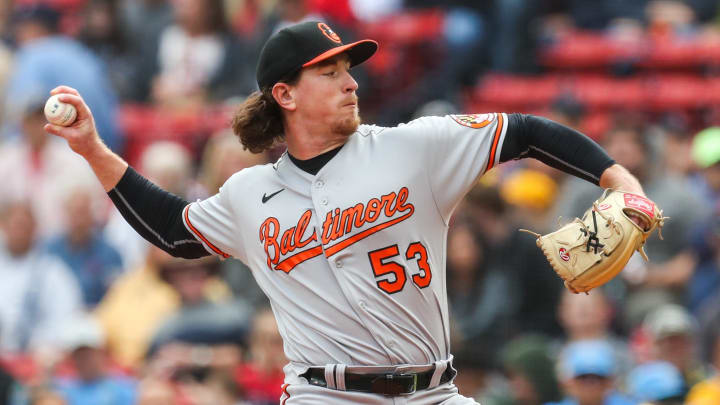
(328, 32)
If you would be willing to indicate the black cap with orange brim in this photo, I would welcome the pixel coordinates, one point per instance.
(302, 45)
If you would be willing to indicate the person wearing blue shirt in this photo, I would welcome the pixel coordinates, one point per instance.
(93, 384)
(45, 59)
(587, 369)
(84, 250)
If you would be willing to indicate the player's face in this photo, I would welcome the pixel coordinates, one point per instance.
(325, 96)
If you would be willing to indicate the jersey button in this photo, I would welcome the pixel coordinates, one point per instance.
(338, 263)
(391, 343)
(324, 201)
(362, 304)
(319, 184)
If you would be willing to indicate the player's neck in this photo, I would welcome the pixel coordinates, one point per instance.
(306, 143)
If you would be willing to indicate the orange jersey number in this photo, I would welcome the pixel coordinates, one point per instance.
(382, 265)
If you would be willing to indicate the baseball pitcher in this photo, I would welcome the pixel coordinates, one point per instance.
(346, 232)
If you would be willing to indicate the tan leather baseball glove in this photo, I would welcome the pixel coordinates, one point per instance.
(589, 252)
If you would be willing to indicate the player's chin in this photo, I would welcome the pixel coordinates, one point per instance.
(348, 125)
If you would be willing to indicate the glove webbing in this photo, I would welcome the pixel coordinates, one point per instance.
(593, 241)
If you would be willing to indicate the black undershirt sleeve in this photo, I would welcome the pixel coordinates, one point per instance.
(555, 145)
(156, 215)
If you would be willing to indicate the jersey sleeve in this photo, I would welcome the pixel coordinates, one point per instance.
(461, 148)
(212, 221)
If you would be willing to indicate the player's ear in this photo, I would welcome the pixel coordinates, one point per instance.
(283, 95)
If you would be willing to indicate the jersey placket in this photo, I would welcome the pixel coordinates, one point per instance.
(324, 204)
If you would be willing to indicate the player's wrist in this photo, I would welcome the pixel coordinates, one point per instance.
(617, 177)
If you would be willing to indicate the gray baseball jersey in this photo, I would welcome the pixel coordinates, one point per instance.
(353, 258)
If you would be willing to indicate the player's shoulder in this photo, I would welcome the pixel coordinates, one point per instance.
(378, 131)
(432, 123)
(250, 175)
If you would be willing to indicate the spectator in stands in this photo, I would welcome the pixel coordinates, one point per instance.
(589, 317)
(210, 387)
(515, 255)
(38, 292)
(103, 32)
(84, 250)
(530, 194)
(223, 156)
(672, 331)
(261, 377)
(676, 141)
(46, 59)
(479, 295)
(167, 164)
(132, 309)
(567, 110)
(11, 390)
(39, 167)
(474, 371)
(705, 282)
(144, 20)
(200, 320)
(706, 155)
(93, 383)
(657, 383)
(599, 15)
(198, 59)
(531, 373)
(286, 13)
(156, 391)
(672, 260)
(707, 392)
(587, 370)
(137, 303)
(43, 395)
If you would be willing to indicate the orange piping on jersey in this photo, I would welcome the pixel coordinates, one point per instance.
(292, 261)
(200, 235)
(284, 390)
(364, 234)
(496, 141)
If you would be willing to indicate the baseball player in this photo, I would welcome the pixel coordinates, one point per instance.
(346, 232)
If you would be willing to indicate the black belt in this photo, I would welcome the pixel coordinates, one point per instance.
(389, 384)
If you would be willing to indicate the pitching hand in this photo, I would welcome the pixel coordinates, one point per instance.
(82, 136)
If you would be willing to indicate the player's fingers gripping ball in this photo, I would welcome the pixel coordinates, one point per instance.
(59, 113)
(589, 252)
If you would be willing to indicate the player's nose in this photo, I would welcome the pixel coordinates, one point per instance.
(350, 83)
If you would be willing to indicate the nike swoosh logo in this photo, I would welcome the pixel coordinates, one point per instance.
(265, 198)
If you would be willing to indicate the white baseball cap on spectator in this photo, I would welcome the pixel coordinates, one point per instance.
(669, 320)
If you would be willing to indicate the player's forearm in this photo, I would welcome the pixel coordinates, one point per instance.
(107, 165)
(618, 178)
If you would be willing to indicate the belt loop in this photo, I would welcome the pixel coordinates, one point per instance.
(330, 375)
(340, 376)
(440, 367)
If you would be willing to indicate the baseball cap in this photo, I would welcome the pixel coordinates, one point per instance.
(706, 147)
(585, 357)
(302, 45)
(39, 13)
(655, 381)
(82, 331)
(668, 320)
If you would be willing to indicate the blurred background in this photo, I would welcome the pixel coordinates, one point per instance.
(91, 314)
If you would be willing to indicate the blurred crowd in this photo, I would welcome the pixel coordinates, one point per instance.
(92, 314)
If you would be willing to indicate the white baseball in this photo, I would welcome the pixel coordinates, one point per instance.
(59, 113)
